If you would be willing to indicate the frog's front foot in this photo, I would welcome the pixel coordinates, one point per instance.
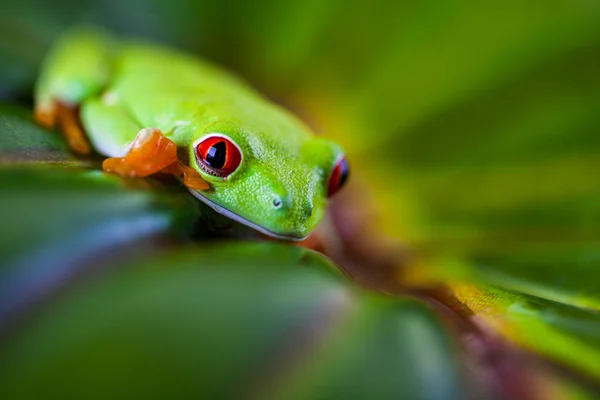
(151, 153)
(67, 117)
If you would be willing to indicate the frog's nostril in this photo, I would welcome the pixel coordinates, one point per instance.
(277, 202)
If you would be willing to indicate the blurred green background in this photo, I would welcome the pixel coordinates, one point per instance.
(471, 129)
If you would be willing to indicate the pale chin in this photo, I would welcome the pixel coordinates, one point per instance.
(242, 220)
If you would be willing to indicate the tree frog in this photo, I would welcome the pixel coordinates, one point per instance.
(151, 109)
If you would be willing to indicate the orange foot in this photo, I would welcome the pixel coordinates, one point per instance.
(152, 153)
(68, 120)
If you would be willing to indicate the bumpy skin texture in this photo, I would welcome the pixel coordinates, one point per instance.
(280, 187)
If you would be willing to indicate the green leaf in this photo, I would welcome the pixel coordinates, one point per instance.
(24, 142)
(566, 334)
(565, 274)
(59, 221)
(473, 125)
(229, 321)
(56, 203)
(475, 128)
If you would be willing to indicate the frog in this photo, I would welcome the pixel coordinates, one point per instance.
(152, 109)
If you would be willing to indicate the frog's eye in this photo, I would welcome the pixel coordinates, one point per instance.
(218, 155)
(338, 176)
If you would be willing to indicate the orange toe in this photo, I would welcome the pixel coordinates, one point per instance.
(45, 116)
(192, 179)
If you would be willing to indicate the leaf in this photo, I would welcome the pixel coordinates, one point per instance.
(566, 334)
(24, 142)
(565, 274)
(59, 221)
(473, 127)
(227, 321)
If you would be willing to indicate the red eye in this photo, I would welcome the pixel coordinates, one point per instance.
(338, 176)
(218, 156)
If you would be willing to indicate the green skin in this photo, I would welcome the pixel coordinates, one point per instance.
(123, 87)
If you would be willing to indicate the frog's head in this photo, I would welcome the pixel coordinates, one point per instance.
(276, 183)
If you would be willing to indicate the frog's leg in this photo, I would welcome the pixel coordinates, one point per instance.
(152, 152)
(68, 120)
(147, 152)
(77, 68)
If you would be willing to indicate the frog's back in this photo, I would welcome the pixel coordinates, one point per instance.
(143, 67)
(164, 88)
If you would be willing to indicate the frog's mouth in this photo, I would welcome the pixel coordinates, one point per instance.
(238, 218)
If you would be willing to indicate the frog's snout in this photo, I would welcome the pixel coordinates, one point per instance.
(303, 210)
(296, 218)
